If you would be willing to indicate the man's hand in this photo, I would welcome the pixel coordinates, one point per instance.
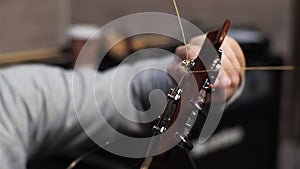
(233, 62)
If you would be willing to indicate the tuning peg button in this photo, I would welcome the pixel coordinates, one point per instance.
(185, 142)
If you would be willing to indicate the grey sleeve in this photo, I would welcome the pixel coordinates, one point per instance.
(36, 113)
(40, 107)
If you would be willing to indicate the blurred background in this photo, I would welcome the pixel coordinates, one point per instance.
(261, 130)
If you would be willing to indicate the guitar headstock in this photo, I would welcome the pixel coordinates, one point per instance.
(217, 37)
(204, 69)
(189, 96)
(209, 57)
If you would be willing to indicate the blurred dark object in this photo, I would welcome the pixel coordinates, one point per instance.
(254, 43)
(250, 124)
(135, 43)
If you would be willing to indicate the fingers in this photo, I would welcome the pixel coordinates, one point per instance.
(233, 62)
(175, 69)
(188, 52)
(236, 51)
(198, 40)
(192, 49)
(225, 83)
(232, 68)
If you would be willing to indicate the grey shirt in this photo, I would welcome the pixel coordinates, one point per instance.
(40, 106)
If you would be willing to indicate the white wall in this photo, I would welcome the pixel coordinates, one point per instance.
(32, 24)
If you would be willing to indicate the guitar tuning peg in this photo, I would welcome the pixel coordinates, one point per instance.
(200, 100)
(195, 105)
(188, 64)
(185, 142)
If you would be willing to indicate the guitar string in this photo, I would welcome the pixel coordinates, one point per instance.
(194, 166)
(148, 159)
(249, 68)
(181, 28)
(191, 159)
(254, 68)
(181, 79)
(77, 160)
(80, 158)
